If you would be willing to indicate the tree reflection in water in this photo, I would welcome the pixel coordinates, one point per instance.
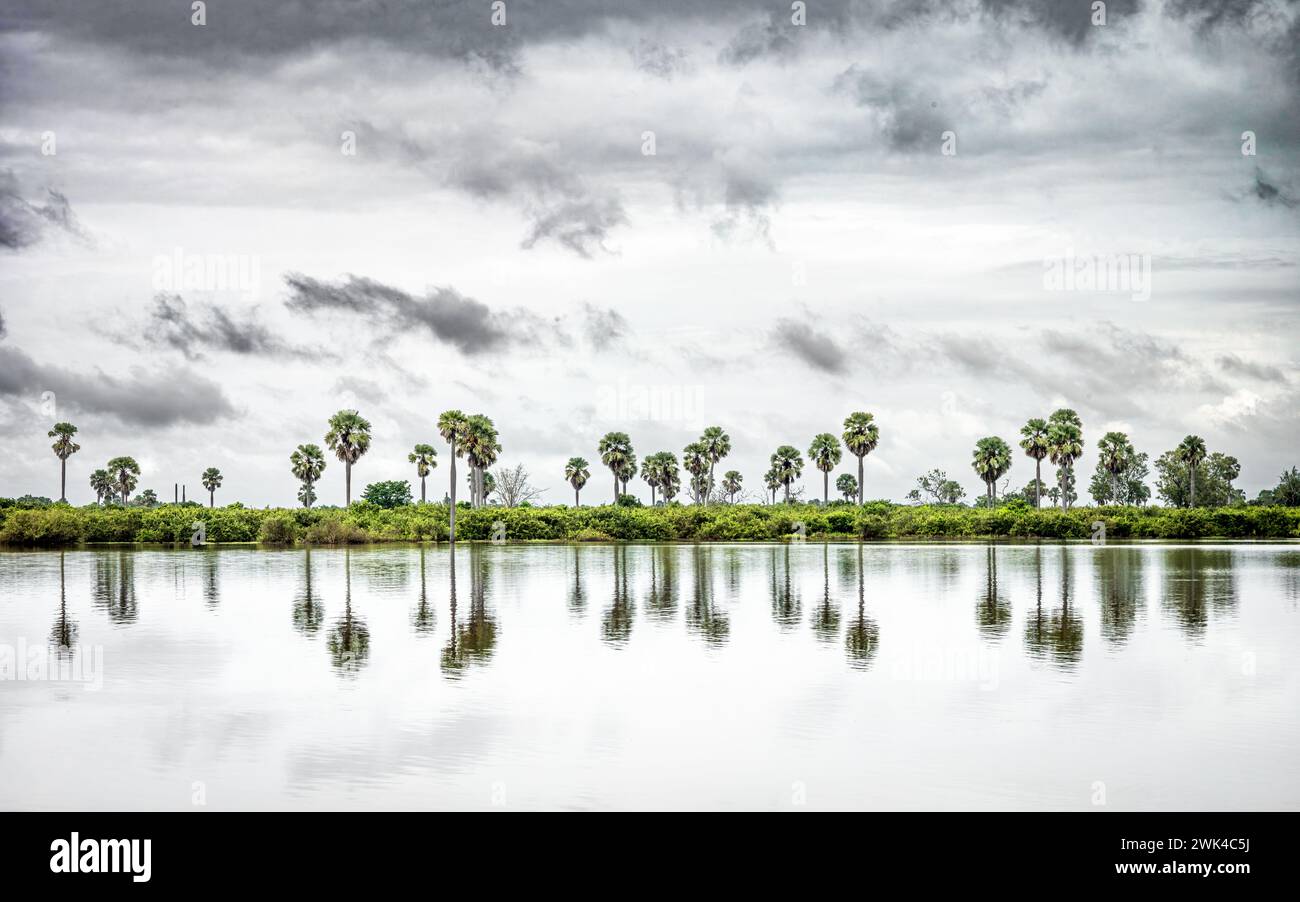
(786, 607)
(64, 633)
(703, 617)
(1198, 581)
(577, 594)
(616, 624)
(211, 586)
(474, 641)
(862, 638)
(349, 638)
(422, 620)
(308, 613)
(114, 589)
(1118, 575)
(826, 616)
(1056, 634)
(661, 599)
(993, 610)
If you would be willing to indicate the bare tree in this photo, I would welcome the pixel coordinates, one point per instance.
(513, 487)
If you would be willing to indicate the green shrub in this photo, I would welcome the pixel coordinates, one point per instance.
(279, 528)
(52, 527)
(335, 531)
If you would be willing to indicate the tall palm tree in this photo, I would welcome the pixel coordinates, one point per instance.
(731, 484)
(615, 448)
(717, 445)
(211, 480)
(787, 464)
(451, 426)
(576, 473)
(102, 484)
(1064, 447)
(861, 435)
(825, 454)
(481, 450)
(307, 464)
(695, 460)
(124, 474)
(1191, 451)
(349, 439)
(1033, 441)
(992, 459)
(1115, 455)
(64, 447)
(425, 458)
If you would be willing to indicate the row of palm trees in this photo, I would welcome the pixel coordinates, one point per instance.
(1058, 438)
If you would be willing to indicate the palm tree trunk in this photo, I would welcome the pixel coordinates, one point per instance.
(826, 486)
(859, 479)
(422, 490)
(1038, 483)
(63, 481)
(347, 467)
(1191, 471)
(787, 493)
(615, 487)
(652, 494)
(575, 498)
(451, 513)
(212, 498)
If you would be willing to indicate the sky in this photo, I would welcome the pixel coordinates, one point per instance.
(648, 217)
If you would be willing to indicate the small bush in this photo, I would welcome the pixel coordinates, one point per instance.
(590, 535)
(54, 527)
(335, 531)
(279, 528)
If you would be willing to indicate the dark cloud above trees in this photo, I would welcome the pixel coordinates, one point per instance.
(160, 398)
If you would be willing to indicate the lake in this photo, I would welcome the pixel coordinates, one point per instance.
(820, 676)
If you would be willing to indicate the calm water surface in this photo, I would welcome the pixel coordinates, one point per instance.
(742, 676)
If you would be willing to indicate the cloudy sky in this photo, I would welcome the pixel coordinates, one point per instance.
(645, 216)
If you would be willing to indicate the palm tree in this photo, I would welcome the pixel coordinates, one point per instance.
(847, 486)
(451, 426)
(992, 459)
(102, 485)
(717, 445)
(667, 476)
(64, 447)
(1033, 441)
(787, 465)
(348, 438)
(307, 464)
(615, 448)
(425, 459)
(211, 480)
(825, 454)
(731, 484)
(576, 473)
(1191, 451)
(1064, 447)
(861, 436)
(771, 481)
(481, 450)
(627, 471)
(1116, 454)
(650, 473)
(124, 476)
(695, 460)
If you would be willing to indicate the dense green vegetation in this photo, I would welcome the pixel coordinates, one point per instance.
(61, 525)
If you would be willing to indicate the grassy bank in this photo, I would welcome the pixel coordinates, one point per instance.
(63, 526)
